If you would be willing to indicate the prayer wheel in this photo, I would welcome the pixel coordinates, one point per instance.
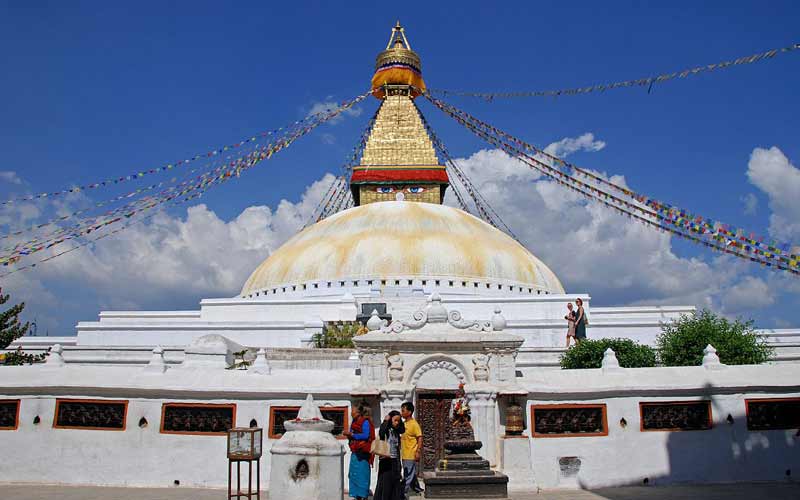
(515, 420)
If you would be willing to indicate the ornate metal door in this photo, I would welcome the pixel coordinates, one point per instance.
(433, 411)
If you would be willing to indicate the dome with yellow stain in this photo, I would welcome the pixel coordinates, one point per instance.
(400, 242)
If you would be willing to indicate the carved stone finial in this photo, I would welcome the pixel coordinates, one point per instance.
(498, 320)
(437, 313)
(55, 358)
(710, 359)
(374, 322)
(156, 364)
(610, 361)
(261, 364)
(309, 418)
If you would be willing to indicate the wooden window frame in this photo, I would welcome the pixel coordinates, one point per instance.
(197, 405)
(536, 435)
(345, 411)
(764, 400)
(91, 401)
(642, 404)
(16, 418)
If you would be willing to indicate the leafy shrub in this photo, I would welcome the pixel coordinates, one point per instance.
(681, 342)
(337, 335)
(589, 354)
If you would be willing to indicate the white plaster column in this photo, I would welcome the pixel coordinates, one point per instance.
(504, 365)
(483, 403)
(374, 367)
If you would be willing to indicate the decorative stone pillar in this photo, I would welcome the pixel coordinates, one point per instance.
(374, 368)
(483, 403)
(307, 462)
(156, 364)
(395, 392)
(261, 364)
(504, 366)
(55, 359)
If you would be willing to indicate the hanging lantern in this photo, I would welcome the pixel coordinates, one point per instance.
(515, 420)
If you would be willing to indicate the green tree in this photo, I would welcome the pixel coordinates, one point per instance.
(11, 328)
(681, 342)
(589, 354)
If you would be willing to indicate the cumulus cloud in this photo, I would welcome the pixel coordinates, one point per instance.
(772, 172)
(10, 176)
(329, 105)
(170, 261)
(595, 250)
(749, 294)
(750, 203)
(570, 145)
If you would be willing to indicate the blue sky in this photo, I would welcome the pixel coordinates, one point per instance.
(99, 89)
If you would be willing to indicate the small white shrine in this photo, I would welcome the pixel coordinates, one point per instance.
(307, 462)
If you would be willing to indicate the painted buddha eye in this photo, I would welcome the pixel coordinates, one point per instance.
(416, 189)
(385, 189)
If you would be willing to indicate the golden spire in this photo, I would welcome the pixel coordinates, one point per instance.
(398, 65)
(399, 161)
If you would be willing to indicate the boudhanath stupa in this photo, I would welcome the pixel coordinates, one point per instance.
(446, 299)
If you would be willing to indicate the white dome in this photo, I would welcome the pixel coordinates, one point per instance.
(397, 239)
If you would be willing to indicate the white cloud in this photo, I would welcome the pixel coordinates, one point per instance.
(771, 172)
(326, 106)
(750, 202)
(569, 145)
(595, 250)
(749, 294)
(328, 138)
(10, 176)
(167, 262)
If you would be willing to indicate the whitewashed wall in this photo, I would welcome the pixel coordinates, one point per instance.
(727, 452)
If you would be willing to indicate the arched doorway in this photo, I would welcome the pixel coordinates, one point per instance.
(435, 382)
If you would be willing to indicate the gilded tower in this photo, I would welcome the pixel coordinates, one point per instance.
(399, 161)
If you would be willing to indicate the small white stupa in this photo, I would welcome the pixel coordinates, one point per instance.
(307, 462)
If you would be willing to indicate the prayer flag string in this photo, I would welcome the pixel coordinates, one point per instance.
(179, 163)
(647, 82)
(628, 205)
(207, 181)
(707, 226)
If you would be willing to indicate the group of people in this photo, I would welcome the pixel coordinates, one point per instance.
(397, 473)
(576, 322)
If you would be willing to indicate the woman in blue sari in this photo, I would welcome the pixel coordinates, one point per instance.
(360, 437)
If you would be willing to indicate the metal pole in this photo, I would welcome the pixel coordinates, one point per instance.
(238, 479)
(258, 478)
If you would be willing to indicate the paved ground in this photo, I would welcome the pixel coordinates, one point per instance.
(741, 491)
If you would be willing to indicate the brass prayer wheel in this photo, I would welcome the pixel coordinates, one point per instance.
(515, 420)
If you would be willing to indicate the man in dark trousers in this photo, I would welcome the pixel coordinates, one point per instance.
(411, 448)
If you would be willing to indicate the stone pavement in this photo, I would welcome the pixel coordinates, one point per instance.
(739, 491)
